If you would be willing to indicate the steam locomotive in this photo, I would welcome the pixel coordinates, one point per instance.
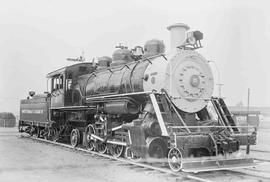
(142, 103)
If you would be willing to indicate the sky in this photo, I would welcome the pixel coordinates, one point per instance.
(37, 36)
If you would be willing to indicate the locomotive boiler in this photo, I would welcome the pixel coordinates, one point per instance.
(145, 103)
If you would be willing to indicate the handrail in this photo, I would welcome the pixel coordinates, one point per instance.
(249, 129)
(116, 95)
(218, 113)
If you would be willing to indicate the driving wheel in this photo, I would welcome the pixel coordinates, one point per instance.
(75, 137)
(101, 147)
(115, 150)
(90, 143)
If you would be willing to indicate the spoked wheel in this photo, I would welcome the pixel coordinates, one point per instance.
(75, 137)
(55, 137)
(52, 134)
(101, 147)
(115, 150)
(156, 151)
(90, 143)
(175, 159)
(46, 134)
(156, 147)
(36, 133)
(130, 155)
(32, 131)
(20, 127)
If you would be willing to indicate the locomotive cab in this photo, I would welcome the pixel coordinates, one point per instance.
(63, 82)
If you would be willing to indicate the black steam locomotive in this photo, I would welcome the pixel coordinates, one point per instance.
(141, 104)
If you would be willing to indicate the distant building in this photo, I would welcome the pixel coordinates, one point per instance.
(7, 119)
(250, 118)
(247, 118)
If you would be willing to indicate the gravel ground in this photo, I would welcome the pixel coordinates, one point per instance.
(25, 160)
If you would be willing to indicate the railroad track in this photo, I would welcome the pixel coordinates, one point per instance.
(257, 150)
(260, 151)
(180, 176)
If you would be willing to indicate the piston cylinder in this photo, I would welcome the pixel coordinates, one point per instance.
(121, 107)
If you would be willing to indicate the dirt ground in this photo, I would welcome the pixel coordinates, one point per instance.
(26, 160)
(263, 142)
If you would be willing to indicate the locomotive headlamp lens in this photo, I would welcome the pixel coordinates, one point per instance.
(198, 35)
(194, 36)
(195, 80)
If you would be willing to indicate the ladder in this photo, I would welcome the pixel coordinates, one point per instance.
(228, 115)
(224, 114)
(163, 106)
(165, 110)
(175, 110)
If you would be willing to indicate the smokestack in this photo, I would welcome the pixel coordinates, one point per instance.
(178, 34)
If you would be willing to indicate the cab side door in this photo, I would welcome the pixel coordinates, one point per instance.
(57, 91)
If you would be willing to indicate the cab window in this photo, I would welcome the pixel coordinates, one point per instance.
(69, 82)
(54, 83)
(61, 82)
(57, 82)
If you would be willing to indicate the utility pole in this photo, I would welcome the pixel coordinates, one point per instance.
(248, 146)
(248, 104)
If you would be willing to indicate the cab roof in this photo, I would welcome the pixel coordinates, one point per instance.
(67, 69)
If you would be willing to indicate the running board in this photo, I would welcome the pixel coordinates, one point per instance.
(218, 164)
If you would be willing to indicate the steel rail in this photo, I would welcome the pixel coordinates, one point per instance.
(167, 171)
(253, 172)
(143, 165)
(183, 127)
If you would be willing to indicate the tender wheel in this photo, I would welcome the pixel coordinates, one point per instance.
(51, 134)
(101, 147)
(46, 134)
(55, 137)
(36, 133)
(115, 150)
(175, 159)
(20, 128)
(130, 155)
(90, 143)
(75, 137)
(32, 131)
